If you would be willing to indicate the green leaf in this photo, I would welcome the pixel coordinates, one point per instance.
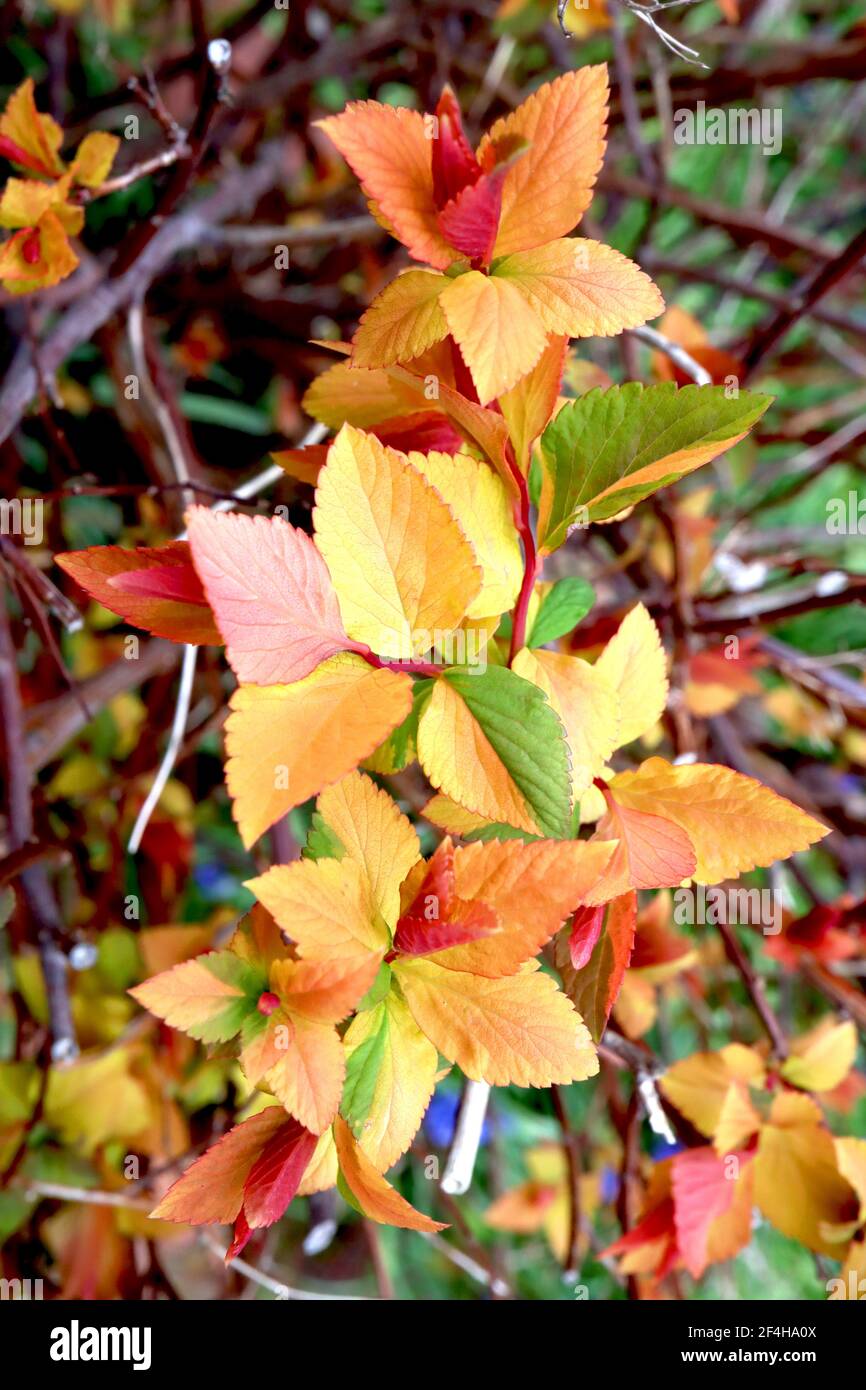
(398, 748)
(322, 843)
(610, 449)
(567, 603)
(231, 1016)
(527, 736)
(362, 1070)
(380, 987)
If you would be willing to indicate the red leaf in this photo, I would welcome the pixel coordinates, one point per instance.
(586, 925)
(437, 918)
(154, 587)
(471, 220)
(454, 163)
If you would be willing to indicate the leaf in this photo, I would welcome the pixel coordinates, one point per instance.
(470, 220)
(634, 663)
(326, 907)
(402, 322)
(851, 1161)
(434, 918)
(308, 1078)
(94, 158)
(698, 1086)
(734, 823)
(391, 1070)
(37, 257)
(376, 1198)
(491, 741)
(478, 498)
(586, 704)
(653, 852)
(270, 592)
(594, 987)
(712, 1209)
(546, 192)
(583, 933)
(581, 288)
(345, 394)
(375, 834)
(153, 587)
(276, 1175)
(821, 1060)
(532, 888)
(565, 604)
(798, 1186)
(499, 334)
(529, 404)
(208, 997)
(400, 564)
(609, 449)
(29, 138)
(389, 151)
(518, 1030)
(286, 742)
(249, 1176)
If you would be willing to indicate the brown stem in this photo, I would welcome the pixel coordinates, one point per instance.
(755, 988)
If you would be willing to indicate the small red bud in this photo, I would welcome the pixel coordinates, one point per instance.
(267, 1003)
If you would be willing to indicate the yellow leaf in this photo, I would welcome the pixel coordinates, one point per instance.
(400, 564)
(405, 1066)
(519, 1030)
(499, 334)
(34, 139)
(325, 906)
(529, 405)
(582, 288)
(94, 158)
(377, 1198)
(402, 322)
(375, 834)
(358, 396)
(321, 1171)
(798, 1186)
(738, 1120)
(478, 499)
(734, 823)
(822, 1059)
(698, 1087)
(449, 815)
(96, 1100)
(550, 187)
(851, 1160)
(585, 701)
(286, 742)
(633, 662)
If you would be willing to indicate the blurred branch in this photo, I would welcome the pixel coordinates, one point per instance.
(241, 188)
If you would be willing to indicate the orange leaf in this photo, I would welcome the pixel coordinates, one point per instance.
(550, 187)
(376, 1198)
(286, 742)
(582, 288)
(500, 336)
(532, 888)
(389, 151)
(652, 852)
(28, 138)
(518, 1030)
(154, 587)
(402, 322)
(734, 823)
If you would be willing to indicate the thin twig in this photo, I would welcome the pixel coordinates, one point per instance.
(460, 1166)
(684, 360)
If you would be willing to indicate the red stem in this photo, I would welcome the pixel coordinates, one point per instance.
(532, 564)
